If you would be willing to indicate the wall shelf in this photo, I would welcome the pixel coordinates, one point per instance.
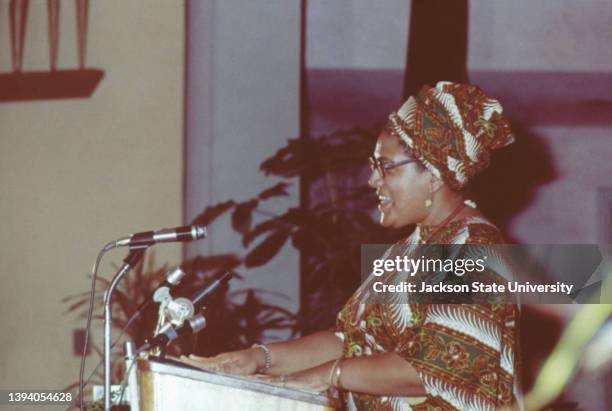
(49, 85)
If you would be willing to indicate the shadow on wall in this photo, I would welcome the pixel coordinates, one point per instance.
(516, 172)
(502, 192)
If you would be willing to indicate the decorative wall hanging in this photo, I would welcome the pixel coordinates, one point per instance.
(20, 85)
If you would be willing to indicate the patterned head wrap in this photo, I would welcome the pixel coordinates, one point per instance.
(451, 130)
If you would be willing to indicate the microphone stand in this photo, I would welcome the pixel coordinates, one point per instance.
(129, 262)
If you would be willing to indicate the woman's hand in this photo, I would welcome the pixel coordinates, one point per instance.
(313, 380)
(243, 362)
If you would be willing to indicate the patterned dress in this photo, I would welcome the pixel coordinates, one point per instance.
(464, 354)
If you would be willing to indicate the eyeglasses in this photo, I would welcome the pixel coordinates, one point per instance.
(382, 167)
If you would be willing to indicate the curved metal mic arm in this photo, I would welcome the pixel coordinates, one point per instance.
(130, 261)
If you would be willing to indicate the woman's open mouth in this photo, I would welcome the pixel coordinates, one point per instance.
(383, 201)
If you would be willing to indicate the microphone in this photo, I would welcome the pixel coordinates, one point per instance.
(192, 326)
(178, 310)
(165, 235)
(211, 287)
(173, 278)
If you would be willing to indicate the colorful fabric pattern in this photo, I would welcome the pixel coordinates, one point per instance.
(464, 353)
(451, 130)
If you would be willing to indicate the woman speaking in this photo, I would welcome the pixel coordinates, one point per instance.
(398, 356)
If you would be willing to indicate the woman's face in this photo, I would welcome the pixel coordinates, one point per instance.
(403, 190)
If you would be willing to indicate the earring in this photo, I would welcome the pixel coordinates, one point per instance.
(470, 203)
(429, 200)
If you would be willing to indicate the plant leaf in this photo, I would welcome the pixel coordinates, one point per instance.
(286, 161)
(242, 216)
(278, 190)
(259, 229)
(212, 263)
(212, 212)
(267, 249)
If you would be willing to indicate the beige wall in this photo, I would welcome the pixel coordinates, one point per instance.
(75, 174)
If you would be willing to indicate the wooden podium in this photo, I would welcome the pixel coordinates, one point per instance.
(170, 386)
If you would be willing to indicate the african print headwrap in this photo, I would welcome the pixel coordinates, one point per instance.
(451, 130)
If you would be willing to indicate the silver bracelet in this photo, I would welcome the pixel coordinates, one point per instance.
(336, 372)
(332, 372)
(268, 356)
